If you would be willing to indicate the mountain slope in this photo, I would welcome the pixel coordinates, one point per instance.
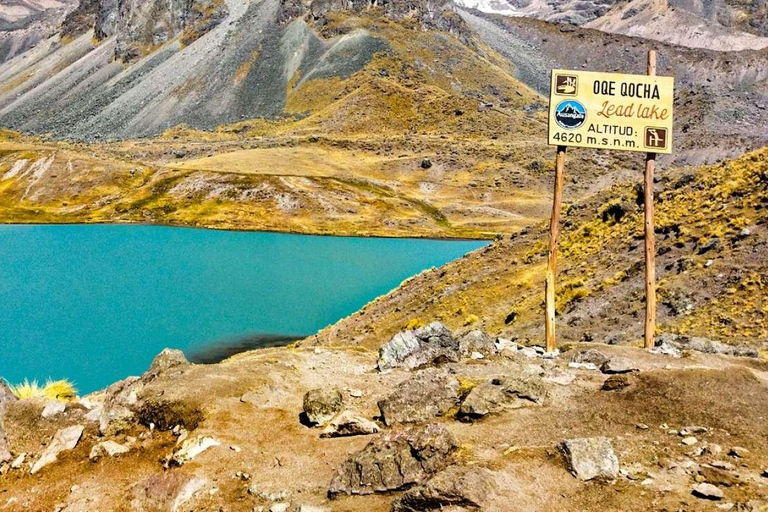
(712, 236)
(723, 25)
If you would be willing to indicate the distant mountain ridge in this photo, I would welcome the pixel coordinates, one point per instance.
(723, 25)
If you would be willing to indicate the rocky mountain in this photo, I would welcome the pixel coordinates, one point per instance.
(712, 24)
(27, 23)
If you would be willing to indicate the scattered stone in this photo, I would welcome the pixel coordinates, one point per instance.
(765, 473)
(666, 349)
(107, 448)
(710, 246)
(615, 382)
(279, 507)
(65, 439)
(641, 426)
(476, 341)
(708, 492)
(591, 458)
(460, 486)
(428, 394)
(476, 355)
(713, 449)
(52, 408)
(355, 393)
(190, 449)
(687, 431)
(618, 365)
(311, 508)
(689, 441)
(348, 423)
(412, 349)
(738, 452)
(395, 460)
(590, 356)
(322, 404)
(502, 393)
(634, 471)
(426, 163)
(582, 366)
(721, 464)
(704, 345)
(18, 461)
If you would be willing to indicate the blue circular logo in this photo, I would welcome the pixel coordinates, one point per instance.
(570, 114)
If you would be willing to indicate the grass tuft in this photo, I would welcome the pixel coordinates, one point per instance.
(62, 390)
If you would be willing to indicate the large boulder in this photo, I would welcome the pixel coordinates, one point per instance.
(591, 458)
(589, 356)
(428, 394)
(322, 404)
(413, 349)
(503, 393)
(476, 341)
(458, 486)
(65, 439)
(395, 460)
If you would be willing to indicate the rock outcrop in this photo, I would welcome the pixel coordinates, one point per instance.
(428, 394)
(395, 460)
(413, 349)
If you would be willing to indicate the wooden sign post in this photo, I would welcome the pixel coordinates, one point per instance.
(609, 111)
(650, 241)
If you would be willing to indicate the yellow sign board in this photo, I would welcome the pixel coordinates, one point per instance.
(611, 111)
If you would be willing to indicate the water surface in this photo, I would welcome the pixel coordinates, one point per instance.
(95, 303)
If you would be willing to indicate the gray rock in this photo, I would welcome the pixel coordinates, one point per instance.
(591, 458)
(19, 461)
(190, 449)
(503, 393)
(458, 486)
(322, 404)
(65, 439)
(428, 394)
(395, 460)
(589, 356)
(708, 492)
(164, 361)
(413, 349)
(348, 423)
(279, 507)
(618, 365)
(52, 408)
(119, 410)
(705, 345)
(476, 341)
(312, 508)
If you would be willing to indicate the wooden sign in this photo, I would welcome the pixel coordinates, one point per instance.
(608, 111)
(611, 111)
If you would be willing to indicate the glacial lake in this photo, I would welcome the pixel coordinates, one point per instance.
(95, 303)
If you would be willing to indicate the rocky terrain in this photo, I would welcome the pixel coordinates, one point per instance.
(432, 421)
(27, 23)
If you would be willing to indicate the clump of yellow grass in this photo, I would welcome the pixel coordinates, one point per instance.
(62, 390)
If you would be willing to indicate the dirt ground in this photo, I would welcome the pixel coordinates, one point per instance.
(251, 405)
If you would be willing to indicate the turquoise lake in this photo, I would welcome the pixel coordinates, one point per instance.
(95, 303)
